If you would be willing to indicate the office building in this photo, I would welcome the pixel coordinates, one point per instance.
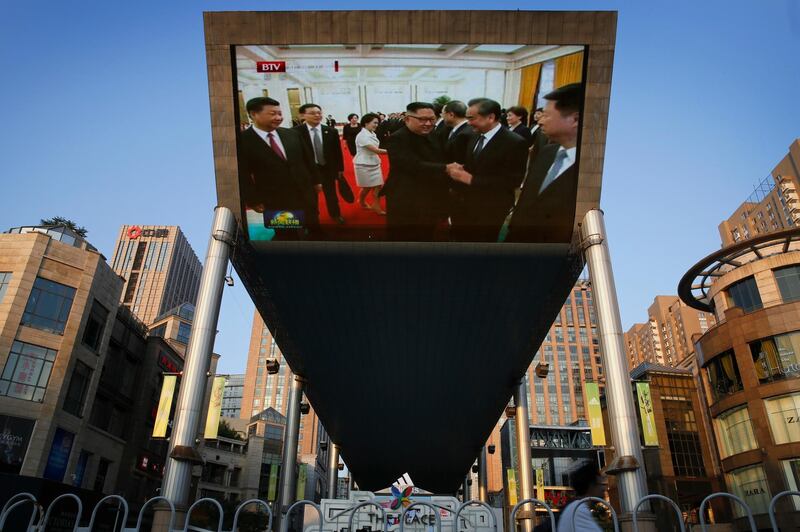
(160, 269)
(262, 390)
(750, 363)
(773, 205)
(232, 396)
(666, 338)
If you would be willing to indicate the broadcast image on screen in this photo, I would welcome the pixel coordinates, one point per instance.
(409, 143)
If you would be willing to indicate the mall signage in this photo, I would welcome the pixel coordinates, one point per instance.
(135, 232)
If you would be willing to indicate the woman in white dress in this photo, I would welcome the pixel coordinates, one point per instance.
(367, 163)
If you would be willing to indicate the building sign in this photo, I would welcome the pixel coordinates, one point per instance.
(59, 455)
(166, 364)
(15, 435)
(646, 412)
(147, 463)
(135, 232)
(595, 414)
(783, 414)
(214, 408)
(164, 406)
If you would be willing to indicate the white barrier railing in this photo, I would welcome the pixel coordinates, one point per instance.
(39, 520)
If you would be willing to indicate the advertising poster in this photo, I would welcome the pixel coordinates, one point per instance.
(164, 406)
(214, 408)
(15, 435)
(59, 455)
(646, 413)
(595, 414)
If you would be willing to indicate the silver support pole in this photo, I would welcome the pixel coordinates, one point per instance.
(183, 453)
(482, 491)
(628, 464)
(333, 469)
(524, 465)
(288, 489)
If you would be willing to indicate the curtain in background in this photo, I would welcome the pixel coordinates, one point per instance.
(529, 80)
(569, 69)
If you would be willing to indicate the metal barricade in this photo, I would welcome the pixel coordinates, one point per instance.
(201, 501)
(772, 518)
(78, 502)
(475, 503)
(97, 506)
(730, 496)
(248, 502)
(601, 501)
(285, 520)
(20, 499)
(535, 502)
(426, 504)
(151, 501)
(681, 525)
(355, 508)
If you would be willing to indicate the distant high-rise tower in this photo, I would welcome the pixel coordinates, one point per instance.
(160, 269)
(262, 390)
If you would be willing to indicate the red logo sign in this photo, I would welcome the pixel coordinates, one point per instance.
(134, 232)
(270, 67)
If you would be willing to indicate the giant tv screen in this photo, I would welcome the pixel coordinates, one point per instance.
(409, 143)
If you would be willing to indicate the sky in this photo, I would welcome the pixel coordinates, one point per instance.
(105, 120)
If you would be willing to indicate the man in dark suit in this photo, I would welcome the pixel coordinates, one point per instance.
(416, 188)
(276, 171)
(323, 141)
(493, 168)
(456, 133)
(545, 211)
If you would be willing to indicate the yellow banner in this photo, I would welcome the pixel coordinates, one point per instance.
(540, 484)
(595, 414)
(511, 474)
(214, 408)
(164, 406)
(646, 411)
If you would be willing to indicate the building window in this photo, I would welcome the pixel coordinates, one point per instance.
(78, 385)
(783, 414)
(682, 435)
(744, 295)
(734, 432)
(750, 484)
(130, 289)
(723, 376)
(777, 357)
(48, 306)
(95, 325)
(5, 280)
(791, 469)
(27, 371)
(102, 472)
(184, 331)
(788, 280)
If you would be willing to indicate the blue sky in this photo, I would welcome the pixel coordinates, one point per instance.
(105, 120)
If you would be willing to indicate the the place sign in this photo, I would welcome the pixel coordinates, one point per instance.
(270, 67)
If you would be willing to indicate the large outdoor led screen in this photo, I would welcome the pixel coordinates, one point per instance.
(409, 142)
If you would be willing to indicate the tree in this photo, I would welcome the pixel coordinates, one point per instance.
(442, 100)
(60, 220)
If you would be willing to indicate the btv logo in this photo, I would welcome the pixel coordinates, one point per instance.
(271, 66)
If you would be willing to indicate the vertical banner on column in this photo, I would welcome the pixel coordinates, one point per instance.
(646, 412)
(273, 482)
(595, 414)
(540, 484)
(512, 486)
(214, 408)
(164, 406)
(301, 482)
